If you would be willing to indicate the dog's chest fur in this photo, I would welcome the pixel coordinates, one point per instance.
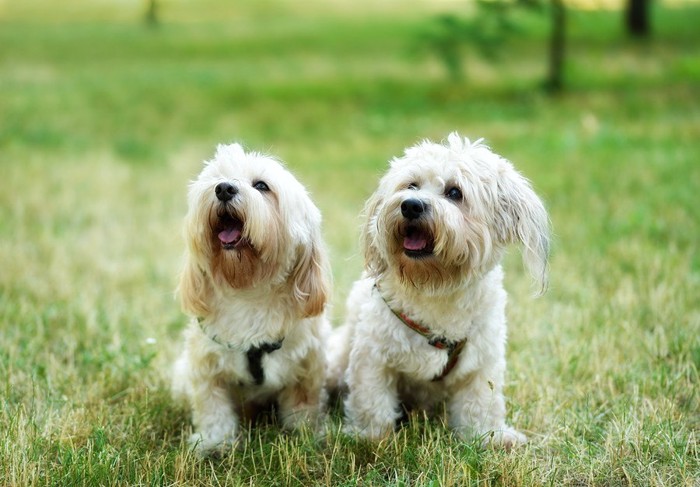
(255, 342)
(250, 321)
(456, 317)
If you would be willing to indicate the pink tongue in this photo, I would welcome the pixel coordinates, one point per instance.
(415, 242)
(231, 235)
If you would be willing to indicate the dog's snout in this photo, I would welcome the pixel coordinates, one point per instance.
(225, 191)
(413, 208)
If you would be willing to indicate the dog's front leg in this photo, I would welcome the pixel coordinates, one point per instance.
(372, 404)
(214, 417)
(478, 410)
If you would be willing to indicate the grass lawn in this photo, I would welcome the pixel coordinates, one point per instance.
(103, 121)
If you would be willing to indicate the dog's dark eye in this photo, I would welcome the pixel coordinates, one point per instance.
(261, 186)
(413, 186)
(454, 194)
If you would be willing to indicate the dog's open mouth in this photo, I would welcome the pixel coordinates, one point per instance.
(230, 232)
(417, 242)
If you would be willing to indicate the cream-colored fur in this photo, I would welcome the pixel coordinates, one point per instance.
(442, 270)
(255, 273)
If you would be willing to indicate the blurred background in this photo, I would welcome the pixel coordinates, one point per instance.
(141, 89)
(109, 107)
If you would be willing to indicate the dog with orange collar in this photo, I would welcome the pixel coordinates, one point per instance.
(426, 323)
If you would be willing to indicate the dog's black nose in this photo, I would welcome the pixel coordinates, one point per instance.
(225, 191)
(413, 208)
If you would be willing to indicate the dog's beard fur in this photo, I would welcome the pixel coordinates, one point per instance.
(457, 248)
(247, 262)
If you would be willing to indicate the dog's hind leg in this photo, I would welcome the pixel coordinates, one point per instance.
(302, 403)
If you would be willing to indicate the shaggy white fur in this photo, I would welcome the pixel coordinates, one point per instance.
(255, 283)
(435, 232)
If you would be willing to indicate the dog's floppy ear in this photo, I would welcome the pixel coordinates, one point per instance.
(374, 263)
(522, 218)
(194, 290)
(311, 280)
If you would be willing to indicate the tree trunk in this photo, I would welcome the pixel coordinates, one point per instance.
(637, 18)
(557, 47)
(152, 13)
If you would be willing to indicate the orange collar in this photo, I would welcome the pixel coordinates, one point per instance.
(440, 342)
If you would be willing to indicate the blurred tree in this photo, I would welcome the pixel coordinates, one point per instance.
(152, 13)
(637, 18)
(488, 29)
(557, 47)
(450, 35)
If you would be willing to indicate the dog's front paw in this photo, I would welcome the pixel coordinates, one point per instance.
(213, 444)
(506, 439)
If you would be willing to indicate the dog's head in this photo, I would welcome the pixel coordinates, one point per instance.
(443, 214)
(251, 223)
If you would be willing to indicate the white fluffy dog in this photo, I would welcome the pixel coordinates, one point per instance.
(426, 323)
(255, 283)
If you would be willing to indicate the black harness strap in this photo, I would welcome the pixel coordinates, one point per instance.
(255, 355)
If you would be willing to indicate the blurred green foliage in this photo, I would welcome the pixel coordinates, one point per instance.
(451, 37)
